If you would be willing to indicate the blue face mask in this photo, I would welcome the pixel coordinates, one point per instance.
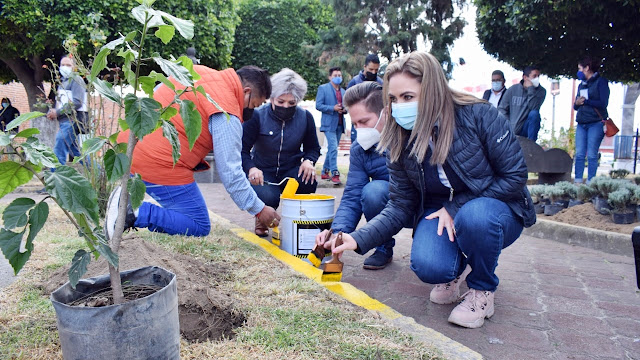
(405, 114)
(581, 76)
(4, 104)
(337, 80)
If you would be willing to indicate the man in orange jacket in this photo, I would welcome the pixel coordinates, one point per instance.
(182, 208)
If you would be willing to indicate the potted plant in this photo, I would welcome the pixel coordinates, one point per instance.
(620, 201)
(537, 192)
(146, 327)
(569, 192)
(635, 200)
(585, 193)
(604, 186)
(619, 173)
(556, 194)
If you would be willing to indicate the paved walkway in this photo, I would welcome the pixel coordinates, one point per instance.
(555, 301)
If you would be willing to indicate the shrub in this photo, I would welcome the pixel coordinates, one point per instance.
(570, 189)
(619, 173)
(555, 193)
(585, 193)
(620, 199)
(537, 192)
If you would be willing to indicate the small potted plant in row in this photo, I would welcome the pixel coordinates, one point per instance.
(620, 201)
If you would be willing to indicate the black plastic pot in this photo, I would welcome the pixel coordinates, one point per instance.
(574, 202)
(145, 328)
(623, 218)
(539, 207)
(601, 205)
(553, 209)
(564, 203)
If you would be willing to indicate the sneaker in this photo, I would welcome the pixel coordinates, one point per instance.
(335, 179)
(325, 175)
(449, 293)
(112, 214)
(474, 308)
(377, 261)
(260, 229)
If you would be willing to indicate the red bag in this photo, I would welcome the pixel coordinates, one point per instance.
(610, 127)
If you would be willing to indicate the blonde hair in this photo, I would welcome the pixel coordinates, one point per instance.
(436, 105)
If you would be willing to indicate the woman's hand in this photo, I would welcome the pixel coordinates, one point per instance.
(255, 176)
(445, 221)
(348, 243)
(580, 101)
(307, 171)
(52, 114)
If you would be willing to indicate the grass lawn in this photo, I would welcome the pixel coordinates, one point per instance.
(287, 315)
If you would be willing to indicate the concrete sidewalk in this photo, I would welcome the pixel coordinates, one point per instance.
(555, 301)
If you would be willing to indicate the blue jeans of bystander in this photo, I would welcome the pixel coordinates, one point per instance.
(333, 140)
(66, 142)
(588, 139)
(531, 126)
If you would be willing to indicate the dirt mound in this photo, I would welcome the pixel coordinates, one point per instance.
(205, 311)
(585, 215)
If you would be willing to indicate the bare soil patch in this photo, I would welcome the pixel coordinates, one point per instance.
(205, 311)
(585, 215)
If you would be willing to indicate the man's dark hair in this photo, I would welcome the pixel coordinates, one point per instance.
(498, 72)
(371, 58)
(336, 68)
(369, 93)
(592, 63)
(256, 78)
(7, 100)
(529, 69)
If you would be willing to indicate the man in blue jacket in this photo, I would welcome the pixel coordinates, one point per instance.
(329, 102)
(367, 189)
(368, 73)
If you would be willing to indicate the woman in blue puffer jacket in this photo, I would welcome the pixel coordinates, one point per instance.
(458, 171)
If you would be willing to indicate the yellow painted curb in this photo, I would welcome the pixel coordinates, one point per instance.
(450, 348)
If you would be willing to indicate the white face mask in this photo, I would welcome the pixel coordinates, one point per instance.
(535, 82)
(496, 85)
(65, 71)
(367, 137)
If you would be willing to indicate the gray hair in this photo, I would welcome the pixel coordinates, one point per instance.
(287, 81)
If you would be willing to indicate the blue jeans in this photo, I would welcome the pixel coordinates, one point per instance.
(484, 226)
(531, 126)
(333, 139)
(588, 139)
(270, 194)
(66, 142)
(373, 199)
(182, 211)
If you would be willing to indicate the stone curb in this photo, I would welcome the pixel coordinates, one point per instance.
(606, 241)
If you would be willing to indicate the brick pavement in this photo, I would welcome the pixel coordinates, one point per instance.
(555, 301)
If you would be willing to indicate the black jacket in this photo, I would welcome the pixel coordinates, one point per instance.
(485, 155)
(598, 89)
(7, 115)
(487, 95)
(271, 144)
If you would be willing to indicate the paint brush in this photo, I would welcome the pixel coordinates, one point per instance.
(332, 269)
(317, 254)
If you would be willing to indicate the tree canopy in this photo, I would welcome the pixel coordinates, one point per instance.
(33, 31)
(277, 34)
(390, 28)
(556, 34)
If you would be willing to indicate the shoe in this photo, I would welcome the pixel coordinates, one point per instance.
(112, 214)
(260, 229)
(449, 293)
(474, 308)
(325, 175)
(335, 179)
(377, 261)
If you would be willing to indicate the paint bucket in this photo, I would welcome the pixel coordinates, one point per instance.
(303, 217)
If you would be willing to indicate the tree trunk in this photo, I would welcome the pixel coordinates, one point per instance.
(631, 93)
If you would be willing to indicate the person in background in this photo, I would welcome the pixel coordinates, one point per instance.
(591, 103)
(7, 113)
(368, 73)
(280, 142)
(456, 169)
(182, 208)
(494, 95)
(367, 189)
(329, 103)
(521, 104)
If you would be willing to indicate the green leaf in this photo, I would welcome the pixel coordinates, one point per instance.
(5, 139)
(73, 192)
(39, 154)
(147, 84)
(12, 175)
(10, 243)
(28, 132)
(185, 27)
(131, 35)
(100, 61)
(123, 125)
(160, 77)
(22, 118)
(165, 33)
(78, 268)
(180, 73)
(136, 189)
(111, 45)
(141, 114)
(15, 215)
(115, 164)
(37, 218)
(141, 12)
(169, 113)
(192, 121)
(105, 89)
(93, 145)
(201, 90)
(170, 133)
(188, 63)
(103, 247)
